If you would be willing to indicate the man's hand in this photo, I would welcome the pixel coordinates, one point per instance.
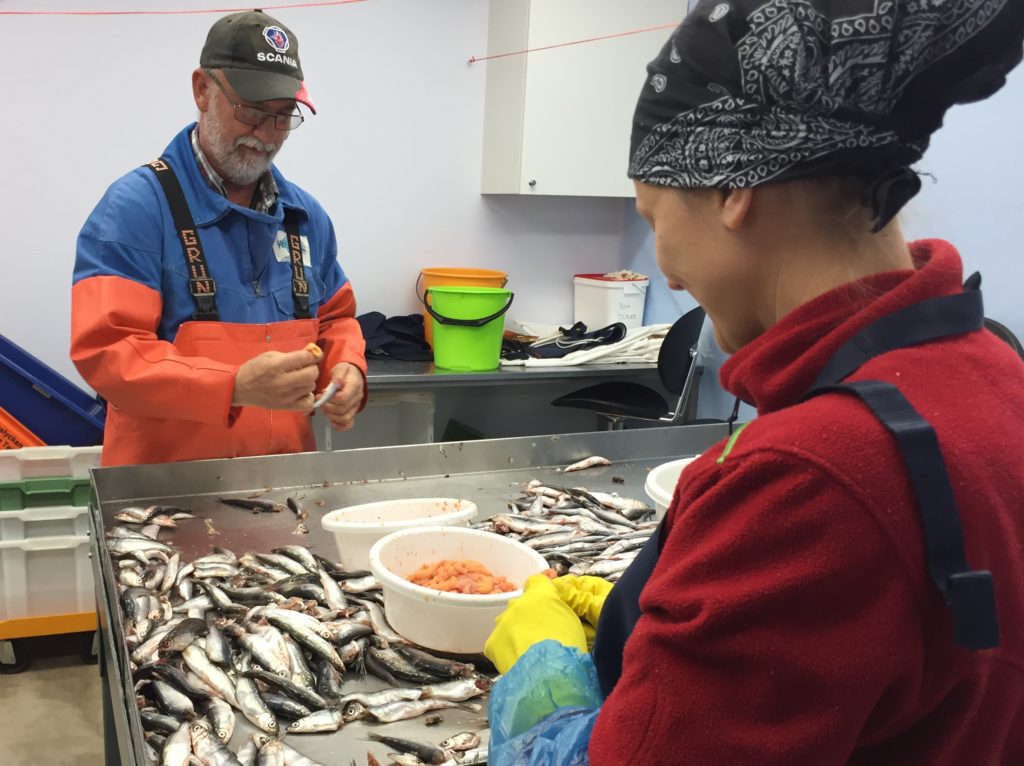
(341, 409)
(277, 381)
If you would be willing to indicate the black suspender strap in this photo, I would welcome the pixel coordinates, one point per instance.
(200, 283)
(922, 322)
(300, 287)
(969, 594)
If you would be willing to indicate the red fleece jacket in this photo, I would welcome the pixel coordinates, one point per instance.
(790, 618)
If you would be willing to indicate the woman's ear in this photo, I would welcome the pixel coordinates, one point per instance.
(735, 207)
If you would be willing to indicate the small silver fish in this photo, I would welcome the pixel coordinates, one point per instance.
(401, 711)
(360, 584)
(465, 740)
(163, 520)
(130, 578)
(604, 567)
(177, 748)
(124, 546)
(405, 759)
(457, 691)
(171, 701)
(271, 754)
(222, 718)
(331, 390)
(210, 674)
(321, 720)
(253, 707)
(246, 754)
(383, 697)
(208, 747)
(589, 462)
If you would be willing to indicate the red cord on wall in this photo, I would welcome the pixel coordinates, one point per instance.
(173, 11)
(475, 59)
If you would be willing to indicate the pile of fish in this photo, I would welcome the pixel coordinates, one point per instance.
(576, 531)
(274, 636)
(271, 636)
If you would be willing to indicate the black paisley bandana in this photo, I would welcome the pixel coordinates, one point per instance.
(747, 92)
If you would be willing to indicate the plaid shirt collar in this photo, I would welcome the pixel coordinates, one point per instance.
(263, 198)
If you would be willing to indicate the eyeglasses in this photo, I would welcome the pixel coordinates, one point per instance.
(250, 115)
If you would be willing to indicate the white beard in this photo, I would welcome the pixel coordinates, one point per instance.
(234, 166)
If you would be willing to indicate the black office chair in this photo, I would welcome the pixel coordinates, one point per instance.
(618, 401)
(1003, 332)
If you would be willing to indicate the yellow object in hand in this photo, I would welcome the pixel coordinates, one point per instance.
(585, 595)
(537, 615)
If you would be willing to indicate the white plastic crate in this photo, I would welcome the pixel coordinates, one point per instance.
(44, 462)
(45, 577)
(54, 521)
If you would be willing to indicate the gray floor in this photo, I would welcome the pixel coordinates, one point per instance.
(51, 712)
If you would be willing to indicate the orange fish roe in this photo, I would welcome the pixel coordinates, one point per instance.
(460, 576)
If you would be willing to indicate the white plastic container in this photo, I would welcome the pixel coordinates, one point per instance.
(45, 577)
(358, 527)
(600, 301)
(44, 462)
(55, 521)
(448, 622)
(661, 483)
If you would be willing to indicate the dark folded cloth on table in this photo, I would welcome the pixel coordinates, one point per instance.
(397, 337)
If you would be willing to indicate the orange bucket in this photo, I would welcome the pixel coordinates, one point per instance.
(453, 278)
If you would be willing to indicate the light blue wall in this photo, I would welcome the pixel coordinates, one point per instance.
(977, 199)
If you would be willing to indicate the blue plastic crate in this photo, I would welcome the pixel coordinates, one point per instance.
(47, 403)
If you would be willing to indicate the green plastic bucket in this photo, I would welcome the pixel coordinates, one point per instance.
(467, 325)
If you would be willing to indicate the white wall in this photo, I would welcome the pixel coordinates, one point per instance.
(394, 154)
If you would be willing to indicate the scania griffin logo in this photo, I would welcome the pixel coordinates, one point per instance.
(277, 38)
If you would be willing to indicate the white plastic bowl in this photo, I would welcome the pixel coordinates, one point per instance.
(661, 483)
(448, 622)
(357, 527)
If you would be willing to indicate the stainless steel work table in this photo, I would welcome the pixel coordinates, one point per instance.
(412, 402)
(394, 374)
(489, 473)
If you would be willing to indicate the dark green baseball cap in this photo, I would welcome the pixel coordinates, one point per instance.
(258, 55)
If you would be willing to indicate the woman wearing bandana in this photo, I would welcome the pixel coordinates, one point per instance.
(842, 580)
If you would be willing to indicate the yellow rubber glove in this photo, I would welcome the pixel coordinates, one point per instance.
(537, 615)
(585, 595)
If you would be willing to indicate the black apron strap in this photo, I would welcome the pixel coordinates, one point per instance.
(929, 320)
(200, 283)
(969, 594)
(620, 613)
(300, 287)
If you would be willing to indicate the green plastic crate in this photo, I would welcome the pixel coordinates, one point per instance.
(41, 493)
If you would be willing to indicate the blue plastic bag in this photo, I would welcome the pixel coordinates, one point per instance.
(543, 710)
